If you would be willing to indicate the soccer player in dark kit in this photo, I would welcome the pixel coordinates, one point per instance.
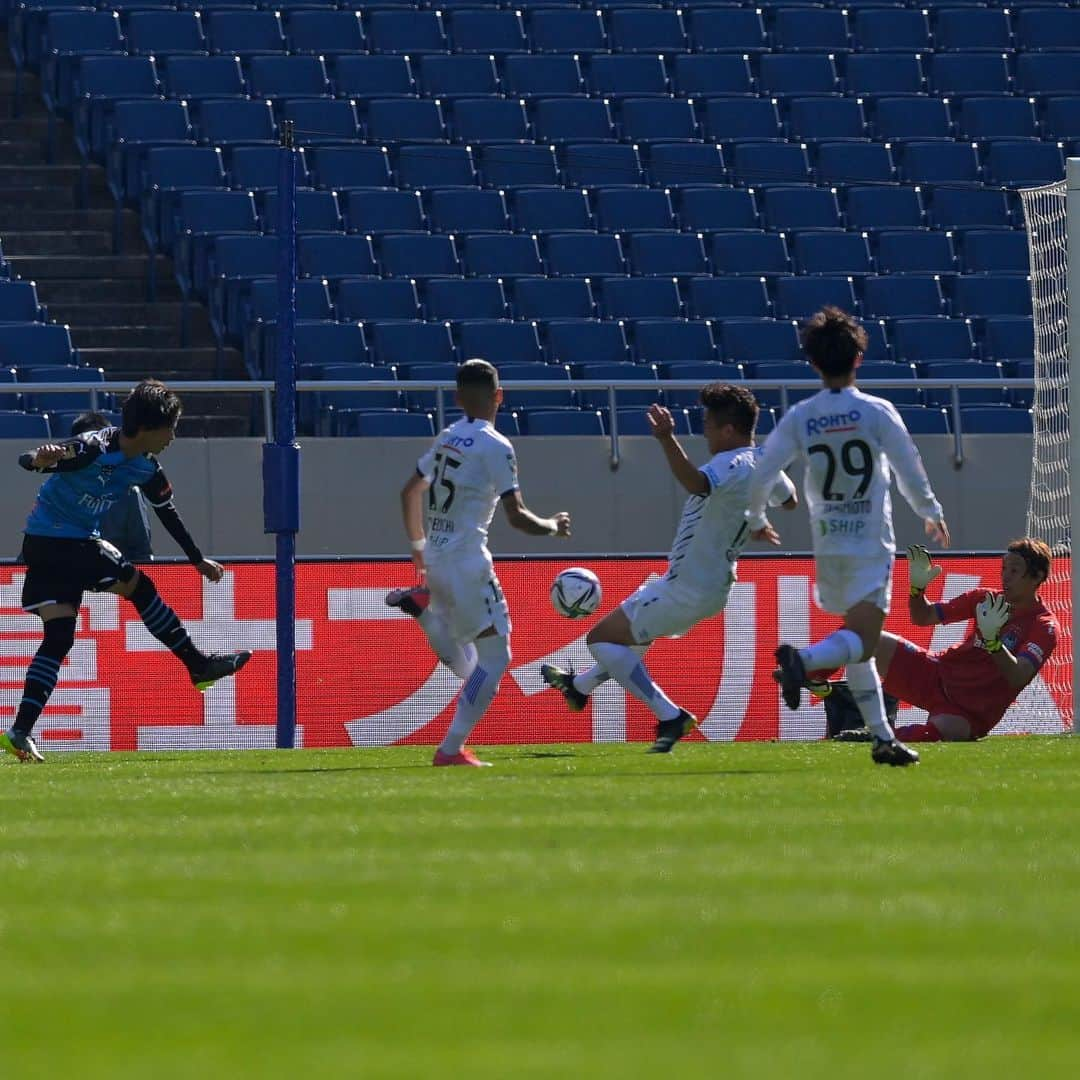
(65, 555)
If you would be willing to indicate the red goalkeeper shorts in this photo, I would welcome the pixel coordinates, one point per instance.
(915, 677)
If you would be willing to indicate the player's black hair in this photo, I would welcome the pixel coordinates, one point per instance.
(150, 406)
(477, 375)
(833, 340)
(89, 421)
(1036, 556)
(733, 405)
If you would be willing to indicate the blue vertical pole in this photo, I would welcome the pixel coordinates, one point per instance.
(281, 457)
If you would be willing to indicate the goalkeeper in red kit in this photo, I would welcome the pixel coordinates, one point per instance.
(967, 688)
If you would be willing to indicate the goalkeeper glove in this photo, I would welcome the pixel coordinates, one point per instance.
(991, 615)
(921, 569)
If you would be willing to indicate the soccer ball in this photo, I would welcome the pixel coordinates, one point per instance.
(576, 592)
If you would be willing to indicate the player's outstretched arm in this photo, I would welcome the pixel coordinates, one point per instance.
(682, 468)
(524, 520)
(159, 494)
(412, 515)
(921, 572)
(779, 452)
(59, 457)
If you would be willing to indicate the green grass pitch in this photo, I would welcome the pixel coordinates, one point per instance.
(746, 910)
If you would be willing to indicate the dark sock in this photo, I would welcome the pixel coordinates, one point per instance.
(164, 623)
(43, 672)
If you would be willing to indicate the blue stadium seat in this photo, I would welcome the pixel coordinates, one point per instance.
(237, 123)
(133, 129)
(434, 166)
(939, 163)
(832, 253)
(316, 211)
(1024, 164)
(796, 208)
(394, 120)
(98, 84)
(599, 164)
(760, 341)
(551, 210)
(19, 303)
(486, 32)
(851, 162)
(552, 298)
(671, 341)
(322, 122)
(371, 211)
(796, 75)
(168, 171)
(921, 420)
(325, 33)
(891, 30)
(728, 298)
(681, 254)
(991, 420)
(904, 119)
(501, 256)
(20, 425)
(649, 120)
(875, 208)
(350, 166)
(816, 119)
(559, 31)
(64, 399)
(544, 422)
(582, 341)
(758, 164)
(706, 75)
(800, 297)
(369, 299)
(165, 33)
(1061, 118)
(995, 251)
(235, 262)
(287, 77)
(518, 166)
(749, 253)
(455, 298)
(619, 76)
(1009, 338)
(383, 424)
(561, 120)
(798, 29)
(244, 33)
(496, 120)
(452, 210)
(907, 296)
(69, 37)
(684, 164)
(996, 294)
(627, 209)
(1047, 28)
(958, 75)
(200, 217)
(733, 119)
(726, 29)
(707, 209)
(559, 396)
(598, 399)
(920, 340)
(398, 343)
(870, 75)
(332, 257)
(198, 78)
(963, 369)
(634, 420)
(542, 76)
(450, 77)
(583, 255)
(329, 402)
(971, 29)
(639, 298)
(645, 30)
(911, 252)
(897, 395)
(373, 76)
(408, 32)
(783, 372)
(1046, 74)
(997, 118)
(46, 343)
(258, 323)
(413, 255)
(503, 342)
(963, 208)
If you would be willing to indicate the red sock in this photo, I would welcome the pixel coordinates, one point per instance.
(821, 674)
(918, 733)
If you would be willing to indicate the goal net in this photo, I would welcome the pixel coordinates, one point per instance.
(1049, 505)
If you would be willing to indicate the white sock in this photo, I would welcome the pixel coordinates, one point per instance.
(624, 665)
(493, 658)
(587, 681)
(865, 686)
(459, 658)
(840, 648)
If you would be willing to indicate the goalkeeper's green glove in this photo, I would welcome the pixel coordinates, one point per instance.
(921, 569)
(991, 615)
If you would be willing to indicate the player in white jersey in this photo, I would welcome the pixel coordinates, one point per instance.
(701, 567)
(847, 441)
(460, 606)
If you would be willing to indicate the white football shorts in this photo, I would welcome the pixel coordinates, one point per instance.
(468, 596)
(841, 582)
(661, 608)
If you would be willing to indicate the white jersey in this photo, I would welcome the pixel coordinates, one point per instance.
(713, 528)
(470, 466)
(847, 441)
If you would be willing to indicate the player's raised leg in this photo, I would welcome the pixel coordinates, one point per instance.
(415, 600)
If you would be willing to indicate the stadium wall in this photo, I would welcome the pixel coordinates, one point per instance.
(350, 495)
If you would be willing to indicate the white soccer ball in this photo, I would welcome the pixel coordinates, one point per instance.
(576, 592)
